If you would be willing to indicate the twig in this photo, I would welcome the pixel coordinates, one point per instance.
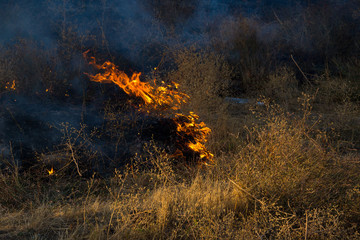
(16, 122)
(245, 191)
(90, 184)
(74, 159)
(306, 225)
(111, 216)
(277, 18)
(297, 65)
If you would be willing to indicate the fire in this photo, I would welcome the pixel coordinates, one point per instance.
(11, 85)
(155, 97)
(192, 135)
(51, 171)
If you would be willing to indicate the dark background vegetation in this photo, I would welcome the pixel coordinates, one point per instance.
(285, 169)
(254, 37)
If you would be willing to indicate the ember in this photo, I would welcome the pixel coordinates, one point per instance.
(51, 171)
(11, 85)
(161, 99)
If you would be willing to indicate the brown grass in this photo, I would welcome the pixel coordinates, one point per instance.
(287, 169)
(285, 181)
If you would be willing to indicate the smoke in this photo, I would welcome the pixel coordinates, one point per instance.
(29, 125)
(134, 26)
(25, 19)
(130, 27)
(137, 32)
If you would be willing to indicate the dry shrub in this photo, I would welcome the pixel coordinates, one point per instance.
(34, 69)
(75, 154)
(44, 70)
(251, 58)
(337, 98)
(319, 31)
(271, 222)
(333, 90)
(285, 182)
(204, 76)
(171, 12)
(282, 85)
(281, 153)
(200, 209)
(349, 73)
(286, 158)
(292, 171)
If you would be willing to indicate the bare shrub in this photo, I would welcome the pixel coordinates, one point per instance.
(280, 152)
(282, 85)
(171, 12)
(286, 181)
(250, 57)
(75, 154)
(285, 154)
(34, 69)
(204, 76)
(333, 90)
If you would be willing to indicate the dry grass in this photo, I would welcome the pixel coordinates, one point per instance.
(286, 181)
(281, 170)
(204, 76)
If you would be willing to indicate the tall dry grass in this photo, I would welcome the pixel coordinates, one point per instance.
(280, 172)
(286, 180)
(204, 75)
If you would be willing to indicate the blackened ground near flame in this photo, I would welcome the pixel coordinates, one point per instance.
(191, 135)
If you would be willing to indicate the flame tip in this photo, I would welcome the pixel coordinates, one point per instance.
(51, 171)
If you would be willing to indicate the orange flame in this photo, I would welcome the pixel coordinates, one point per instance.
(10, 85)
(155, 97)
(193, 135)
(51, 171)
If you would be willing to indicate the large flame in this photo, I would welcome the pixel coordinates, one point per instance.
(155, 97)
(192, 135)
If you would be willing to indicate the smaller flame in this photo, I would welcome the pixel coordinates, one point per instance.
(11, 85)
(194, 134)
(51, 171)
